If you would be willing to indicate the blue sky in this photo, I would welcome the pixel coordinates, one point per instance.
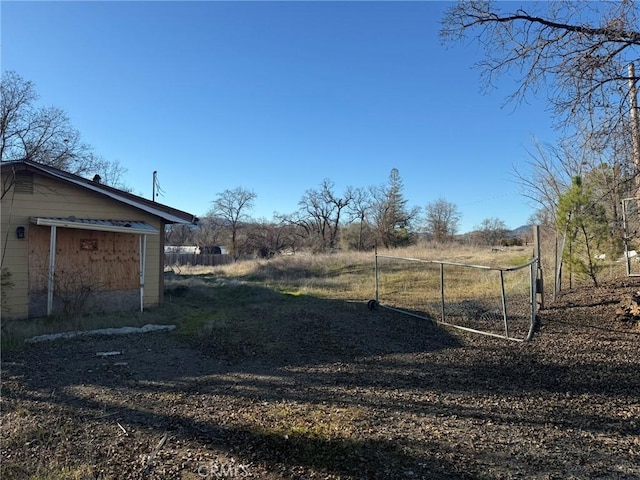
(277, 96)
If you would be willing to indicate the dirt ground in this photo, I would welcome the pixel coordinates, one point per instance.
(410, 401)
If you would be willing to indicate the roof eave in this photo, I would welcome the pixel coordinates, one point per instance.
(166, 213)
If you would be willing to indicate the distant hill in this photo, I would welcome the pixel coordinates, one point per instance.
(520, 232)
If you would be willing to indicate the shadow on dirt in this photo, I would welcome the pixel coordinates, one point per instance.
(247, 385)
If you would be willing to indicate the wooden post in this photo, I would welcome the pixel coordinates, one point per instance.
(539, 276)
(143, 254)
(52, 269)
(635, 129)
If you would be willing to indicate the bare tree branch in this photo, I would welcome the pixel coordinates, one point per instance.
(45, 134)
(575, 51)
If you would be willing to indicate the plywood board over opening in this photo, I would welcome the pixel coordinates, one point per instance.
(100, 260)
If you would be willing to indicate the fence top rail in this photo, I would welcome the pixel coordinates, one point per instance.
(458, 264)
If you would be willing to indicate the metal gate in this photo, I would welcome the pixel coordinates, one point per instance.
(494, 301)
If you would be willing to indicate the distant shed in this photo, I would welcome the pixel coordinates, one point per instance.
(67, 239)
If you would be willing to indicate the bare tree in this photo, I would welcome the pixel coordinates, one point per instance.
(547, 174)
(232, 206)
(608, 172)
(582, 55)
(45, 134)
(178, 234)
(38, 134)
(207, 234)
(321, 211)
(359, 210)
(267, 239)
(111, 173)
(491, 230)
(442, 220)
(578, 52)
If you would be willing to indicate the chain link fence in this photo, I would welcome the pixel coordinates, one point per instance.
(499, 302)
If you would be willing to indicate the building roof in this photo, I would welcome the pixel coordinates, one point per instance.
(168, 214)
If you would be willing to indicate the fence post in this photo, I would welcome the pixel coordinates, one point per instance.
(532, 275)
(442, 313)
(539, 276)
(376, 274)
(503, 296)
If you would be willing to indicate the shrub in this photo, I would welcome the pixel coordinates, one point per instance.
(5, 284)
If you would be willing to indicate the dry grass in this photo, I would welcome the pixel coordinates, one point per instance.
(339, 276)
(404, 284)
(473, 295)
(350, 275)
(265, 285)
(16, 331)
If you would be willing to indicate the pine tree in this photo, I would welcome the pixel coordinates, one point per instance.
(586, 226)
(392, 217)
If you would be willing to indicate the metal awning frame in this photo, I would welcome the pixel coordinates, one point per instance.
(119, 226)
(140, 228)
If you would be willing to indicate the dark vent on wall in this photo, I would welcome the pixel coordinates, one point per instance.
(24, 182)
